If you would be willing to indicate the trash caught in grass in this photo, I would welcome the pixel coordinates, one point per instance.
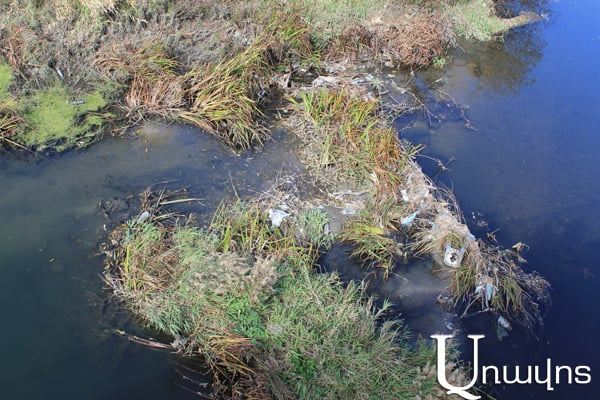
(243, 297)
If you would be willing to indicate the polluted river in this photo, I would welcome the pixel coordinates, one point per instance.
(510, 127)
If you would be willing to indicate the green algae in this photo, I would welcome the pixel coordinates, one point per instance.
(59, 120)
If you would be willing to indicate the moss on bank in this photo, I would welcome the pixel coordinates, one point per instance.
(49, 117)
(61, 121)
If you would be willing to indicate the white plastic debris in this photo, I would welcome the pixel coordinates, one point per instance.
(144, 216)
(179, 343)
(453, 257)
(347, 211)
(502, 328)
(277, 216)
(489, 292)
(503, 322)
(407, 220)
(404, 194)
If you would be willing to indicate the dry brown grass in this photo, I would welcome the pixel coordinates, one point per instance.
(415, 42)
(223, 98)
(154, 86)
(10, 123)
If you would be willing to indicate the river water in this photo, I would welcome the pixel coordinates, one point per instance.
(58, 331)
(528, 170)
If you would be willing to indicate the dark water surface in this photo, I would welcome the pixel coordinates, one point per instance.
(531, 169)
(57, 334)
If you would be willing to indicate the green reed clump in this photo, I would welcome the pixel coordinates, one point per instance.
(370, 244)
(353, 143)
(244, 296)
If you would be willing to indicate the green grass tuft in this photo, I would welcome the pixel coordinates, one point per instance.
(248, 300)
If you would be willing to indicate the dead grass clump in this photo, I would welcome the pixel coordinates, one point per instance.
(354, 42)
(488, 278)
(415, 41)
(11, 122)
(15, 39)
(348, 143)
(223, 98)
(154, 86)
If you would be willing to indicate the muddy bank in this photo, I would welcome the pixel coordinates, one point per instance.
(73, 70)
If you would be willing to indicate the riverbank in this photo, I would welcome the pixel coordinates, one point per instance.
(73, 70)
(393, 214)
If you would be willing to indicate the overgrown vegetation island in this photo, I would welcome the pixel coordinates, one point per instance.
(242, 294)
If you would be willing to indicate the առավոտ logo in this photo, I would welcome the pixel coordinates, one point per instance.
(547, 374)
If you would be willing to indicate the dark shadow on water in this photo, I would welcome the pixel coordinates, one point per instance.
(412, 289)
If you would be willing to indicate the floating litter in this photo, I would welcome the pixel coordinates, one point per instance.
(407, 220)
(453, 257)
(144, 216)
(503, 322)
(502, 328)
(277, 216)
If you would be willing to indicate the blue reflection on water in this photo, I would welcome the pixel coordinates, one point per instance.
(531, 169)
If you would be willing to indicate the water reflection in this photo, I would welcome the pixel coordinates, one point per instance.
(529, 171)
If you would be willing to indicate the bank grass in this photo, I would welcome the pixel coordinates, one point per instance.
(476, 19)
(155, 86)
(224, 97)
(370, 244)
(311, 225)
(350, 140)
(215, 65)
(244, 297)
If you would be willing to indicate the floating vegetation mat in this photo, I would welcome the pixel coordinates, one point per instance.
(243, 296)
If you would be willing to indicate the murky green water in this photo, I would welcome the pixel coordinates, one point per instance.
(57, 331)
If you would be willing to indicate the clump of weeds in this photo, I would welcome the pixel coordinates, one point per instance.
(244, 296)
